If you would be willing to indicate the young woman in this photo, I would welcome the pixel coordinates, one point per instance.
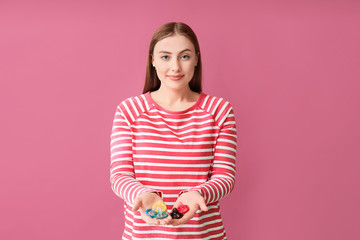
(173, 144)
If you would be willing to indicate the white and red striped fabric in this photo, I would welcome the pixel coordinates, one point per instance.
(153, 149)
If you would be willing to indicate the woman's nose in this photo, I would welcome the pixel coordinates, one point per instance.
(175, 65)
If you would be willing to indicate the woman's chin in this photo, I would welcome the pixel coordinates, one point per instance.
(175, 85)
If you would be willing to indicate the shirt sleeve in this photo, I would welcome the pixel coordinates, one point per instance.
(222, 175)
(122, 175)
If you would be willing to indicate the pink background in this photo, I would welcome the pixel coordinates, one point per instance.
(289, 68)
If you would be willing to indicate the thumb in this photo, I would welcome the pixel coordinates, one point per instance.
(203, 206)
(136, 205)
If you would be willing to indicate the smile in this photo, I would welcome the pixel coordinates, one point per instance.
(175, 77)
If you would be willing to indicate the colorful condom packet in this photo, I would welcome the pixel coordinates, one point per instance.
(175, 214)
(159, 206)
(179, 212)
(158, 211)
(182, 208)
(150, 212)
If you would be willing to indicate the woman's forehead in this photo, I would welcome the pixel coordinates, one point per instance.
(174, 44)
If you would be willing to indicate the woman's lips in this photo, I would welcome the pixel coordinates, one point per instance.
(175, 77)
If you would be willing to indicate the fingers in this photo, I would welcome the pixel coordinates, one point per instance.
(152, 221)
(148, 219)
(155, 221)
(166, 221)
(187, 216)
(203, 206)
(136, 205)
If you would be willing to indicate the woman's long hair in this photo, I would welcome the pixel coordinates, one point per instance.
(152, 81)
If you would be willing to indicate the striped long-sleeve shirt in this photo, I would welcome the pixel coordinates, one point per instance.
(157, 150)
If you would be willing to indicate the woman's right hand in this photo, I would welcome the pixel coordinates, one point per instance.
(145, 201)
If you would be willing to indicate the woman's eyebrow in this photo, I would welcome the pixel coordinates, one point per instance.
(162, 51)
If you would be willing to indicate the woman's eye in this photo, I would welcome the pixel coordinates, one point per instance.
(165, 57)
(185, 57)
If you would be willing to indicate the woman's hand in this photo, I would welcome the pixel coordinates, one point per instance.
(195, 201)
(145, 201)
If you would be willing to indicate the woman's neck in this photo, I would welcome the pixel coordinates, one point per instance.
(174, 99)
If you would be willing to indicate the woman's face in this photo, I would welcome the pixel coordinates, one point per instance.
(174, 59)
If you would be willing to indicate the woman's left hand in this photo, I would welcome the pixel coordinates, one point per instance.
(195, 201)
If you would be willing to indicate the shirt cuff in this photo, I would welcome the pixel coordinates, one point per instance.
(159, 193)
(189, 190)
